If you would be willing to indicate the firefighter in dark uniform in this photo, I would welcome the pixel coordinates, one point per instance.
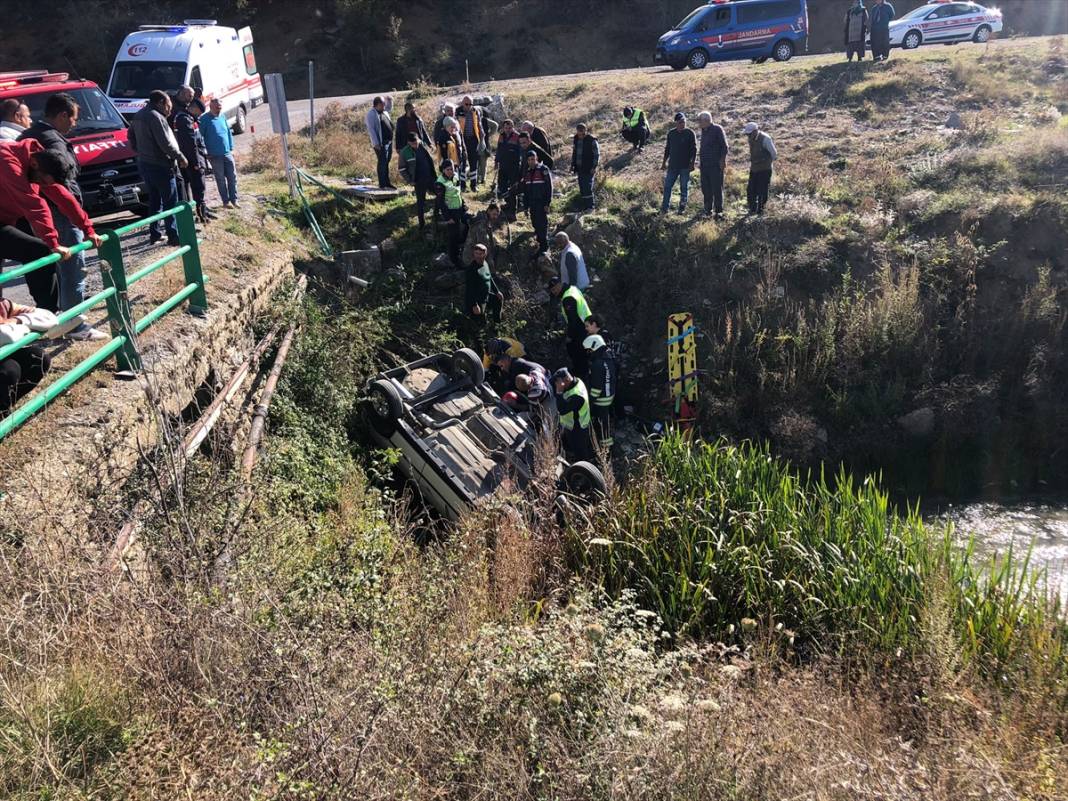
(603, 382)
(573, 405)
(536, 185)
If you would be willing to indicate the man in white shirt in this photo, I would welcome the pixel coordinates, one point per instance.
(14, 119)
(380, 130)
(572, 264)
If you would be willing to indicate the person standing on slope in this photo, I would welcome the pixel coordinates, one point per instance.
(856, 29)
(762, 156)
(380, 131)
(882, 14)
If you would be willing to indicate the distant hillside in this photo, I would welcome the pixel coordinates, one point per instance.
(365, 44)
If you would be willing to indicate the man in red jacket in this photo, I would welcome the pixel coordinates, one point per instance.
(28, 175)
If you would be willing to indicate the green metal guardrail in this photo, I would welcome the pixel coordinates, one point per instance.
(306, 207)
(124, 329)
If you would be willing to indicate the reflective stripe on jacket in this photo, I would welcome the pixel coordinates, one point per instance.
(567, 419)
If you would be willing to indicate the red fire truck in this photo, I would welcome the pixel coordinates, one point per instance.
(109, 178)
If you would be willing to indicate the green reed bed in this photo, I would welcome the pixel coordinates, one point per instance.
(716, 537)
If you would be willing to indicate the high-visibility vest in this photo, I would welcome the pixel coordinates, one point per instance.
(633, 119)
(453, 199)
(567, 420)
(580, 301)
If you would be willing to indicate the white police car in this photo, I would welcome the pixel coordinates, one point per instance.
(945, 22)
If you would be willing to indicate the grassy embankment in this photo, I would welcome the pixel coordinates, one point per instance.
(722, 628)
(901, 305)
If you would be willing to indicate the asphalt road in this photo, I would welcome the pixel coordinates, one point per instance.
(260, 118)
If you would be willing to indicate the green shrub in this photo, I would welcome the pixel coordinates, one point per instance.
(712, 534)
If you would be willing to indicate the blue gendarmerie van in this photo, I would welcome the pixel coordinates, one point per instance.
(726, 30)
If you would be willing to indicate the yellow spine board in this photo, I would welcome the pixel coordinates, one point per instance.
(682, 357)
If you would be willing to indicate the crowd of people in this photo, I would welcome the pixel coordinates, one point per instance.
(178, 142)
(448, 162)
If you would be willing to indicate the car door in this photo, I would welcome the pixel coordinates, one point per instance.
(941, 24)
(715, 28)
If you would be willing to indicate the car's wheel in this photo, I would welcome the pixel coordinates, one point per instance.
(982, 34)
(678, 67)
(466, 362)
(912, 40)
(385, 406)
(760, 60)
(697, 60)
(585, 481)
(239, 120)
(783, 51)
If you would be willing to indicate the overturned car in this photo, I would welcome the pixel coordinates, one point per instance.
(458, 442)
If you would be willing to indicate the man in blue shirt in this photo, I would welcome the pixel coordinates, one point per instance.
(879, 20)
(219, 142)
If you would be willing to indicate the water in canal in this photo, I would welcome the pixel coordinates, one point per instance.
(997, 527)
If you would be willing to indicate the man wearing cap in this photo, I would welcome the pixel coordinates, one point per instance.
(713, 163)
(680, 155)
(449, 206)
(762, 156)
(573, 406)
(585, 156)
(572, 264)
(635, 127)
(482, 299)
(537, 188)
(380, 131)
(576, 310)
(603, 378)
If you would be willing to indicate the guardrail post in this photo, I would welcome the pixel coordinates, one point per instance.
(113, 273)
(194, 272)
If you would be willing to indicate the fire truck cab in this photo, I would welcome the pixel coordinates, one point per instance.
(109, 178)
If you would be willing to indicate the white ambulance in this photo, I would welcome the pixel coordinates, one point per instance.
(219, 62)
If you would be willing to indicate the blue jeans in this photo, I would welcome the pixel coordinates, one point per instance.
(585, 182)
(71, 272)
(669, 184)
(225, 177)
(162, 194)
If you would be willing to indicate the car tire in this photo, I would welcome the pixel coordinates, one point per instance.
(678, 67)
(697, 60)
(585, 481)
(912, 40)
(239, 120)
(783, 50)
(760, 60)
(982, 34)
(466, 362)
(385, 406)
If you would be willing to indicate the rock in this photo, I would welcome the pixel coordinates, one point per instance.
(598, 236)
(361, 263)
(495, 108)
(954, 121)
(449, 280)
(388, 246)
(919, 423)
(540, 298)
(442, 262)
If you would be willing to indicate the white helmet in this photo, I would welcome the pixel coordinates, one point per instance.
(593, 342)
